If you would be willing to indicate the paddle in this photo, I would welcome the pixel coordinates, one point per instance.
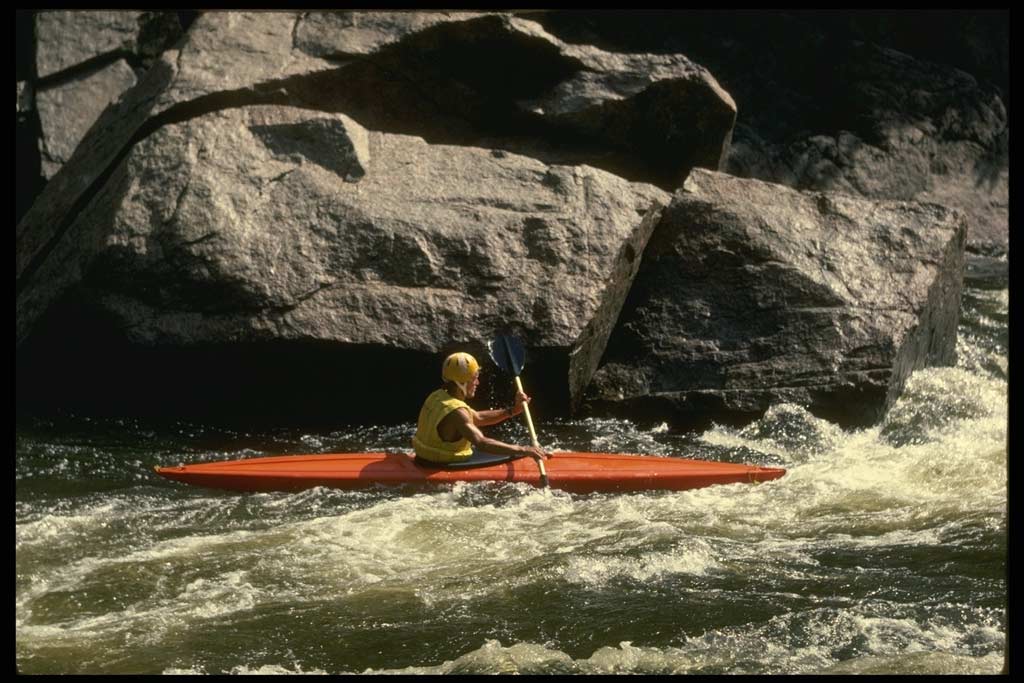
(508, 354)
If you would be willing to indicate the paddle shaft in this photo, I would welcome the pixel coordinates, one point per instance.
(529, 420)
(533, 435)
(515, 368)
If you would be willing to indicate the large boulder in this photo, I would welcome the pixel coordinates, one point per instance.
(490, 81)
(269, 224)
(752, 294)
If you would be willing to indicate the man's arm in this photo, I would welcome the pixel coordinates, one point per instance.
(486, 418)
(468, 430)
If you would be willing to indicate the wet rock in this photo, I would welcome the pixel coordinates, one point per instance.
(751, 294)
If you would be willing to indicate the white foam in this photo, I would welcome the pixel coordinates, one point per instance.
(243, 670)
(737, 652)
(873, 486)
(919, 663)
(52, 527)
(694, 558)
(151, 619)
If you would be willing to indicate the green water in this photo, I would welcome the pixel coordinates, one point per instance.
(880, 551)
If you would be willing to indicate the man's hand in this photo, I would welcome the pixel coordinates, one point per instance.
(536, 452)
(521, 400)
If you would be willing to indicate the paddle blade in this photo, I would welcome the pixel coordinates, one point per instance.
(508, 354)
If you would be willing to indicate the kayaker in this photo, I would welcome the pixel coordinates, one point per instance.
(448, 430)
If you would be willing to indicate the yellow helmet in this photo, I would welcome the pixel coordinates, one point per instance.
(459, 368)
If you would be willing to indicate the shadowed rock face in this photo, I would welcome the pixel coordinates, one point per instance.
(752, 294)
(885, 105)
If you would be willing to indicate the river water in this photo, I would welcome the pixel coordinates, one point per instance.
(881, 551)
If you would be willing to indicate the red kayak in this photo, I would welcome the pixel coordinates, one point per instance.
(575, 472)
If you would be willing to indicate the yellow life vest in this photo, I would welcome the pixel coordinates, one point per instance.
(427, 442)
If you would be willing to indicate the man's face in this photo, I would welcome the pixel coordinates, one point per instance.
(472, 385)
